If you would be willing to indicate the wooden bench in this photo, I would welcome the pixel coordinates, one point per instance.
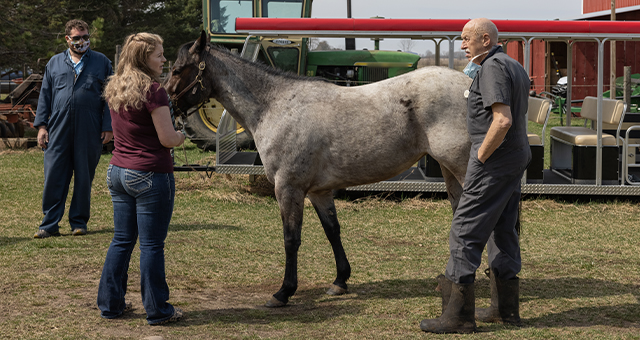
(537, 112)
(573, 148)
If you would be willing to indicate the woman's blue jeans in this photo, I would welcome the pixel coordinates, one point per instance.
(142, 206)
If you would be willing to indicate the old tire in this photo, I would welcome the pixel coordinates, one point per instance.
(7, 130)
(4, 131)
(19, 129)
(201, 127)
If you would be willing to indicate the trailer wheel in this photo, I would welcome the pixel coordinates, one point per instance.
(201, 128)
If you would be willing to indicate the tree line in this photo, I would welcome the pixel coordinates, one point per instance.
(33, 30)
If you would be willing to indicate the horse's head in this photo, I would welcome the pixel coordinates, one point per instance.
(187, 84)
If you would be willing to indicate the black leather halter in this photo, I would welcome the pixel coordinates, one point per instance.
(198, 79)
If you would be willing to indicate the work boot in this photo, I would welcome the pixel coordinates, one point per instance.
(504, 302)
(444, 287)
(41, 233)
(458, 316)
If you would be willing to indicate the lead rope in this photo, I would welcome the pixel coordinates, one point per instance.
(178, 125)
(201, 66)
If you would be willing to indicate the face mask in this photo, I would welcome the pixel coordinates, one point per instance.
(472, 68)
(81, 46)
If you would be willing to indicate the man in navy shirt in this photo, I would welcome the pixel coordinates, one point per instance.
(488, 211)
(73, 122)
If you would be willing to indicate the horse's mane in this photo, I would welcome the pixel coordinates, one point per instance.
(183, 52)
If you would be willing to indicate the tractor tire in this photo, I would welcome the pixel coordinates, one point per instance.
(201, 127)
(19, 129)
(7, 130)
(198, 132)
(3, 130)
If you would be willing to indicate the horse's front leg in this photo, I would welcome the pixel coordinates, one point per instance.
(325, 207)
(291, 202)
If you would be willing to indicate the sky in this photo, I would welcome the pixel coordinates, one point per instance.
(442, 9)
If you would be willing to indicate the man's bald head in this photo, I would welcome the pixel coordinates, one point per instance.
(481, 26)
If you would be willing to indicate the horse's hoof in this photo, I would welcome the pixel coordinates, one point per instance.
(336, 290)
(274, 303)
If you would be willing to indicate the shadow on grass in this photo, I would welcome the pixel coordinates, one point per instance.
(66, 235)
(571, 288)
(304, 308)
(623, 316)
(262, 315)
(213, 226)
(313, 306)
(6, 241)
(530, 289)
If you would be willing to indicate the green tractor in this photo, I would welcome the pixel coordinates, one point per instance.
(346, 68)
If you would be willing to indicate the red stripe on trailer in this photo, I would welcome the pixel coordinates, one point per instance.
(433, 25)
(408, 25)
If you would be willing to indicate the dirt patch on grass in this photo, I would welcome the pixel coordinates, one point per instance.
(54, 311)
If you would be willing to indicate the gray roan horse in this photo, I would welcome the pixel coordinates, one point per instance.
(314, 136)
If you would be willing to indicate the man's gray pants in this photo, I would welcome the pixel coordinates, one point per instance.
(487, 215)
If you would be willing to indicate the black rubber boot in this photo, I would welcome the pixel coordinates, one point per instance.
(459, 313)
(444, 287)
(505, 307)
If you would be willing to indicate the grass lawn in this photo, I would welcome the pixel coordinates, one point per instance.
(225, 258)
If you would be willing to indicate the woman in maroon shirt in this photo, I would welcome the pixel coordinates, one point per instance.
(140, 179)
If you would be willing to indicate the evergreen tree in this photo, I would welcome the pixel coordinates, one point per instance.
(34, 29)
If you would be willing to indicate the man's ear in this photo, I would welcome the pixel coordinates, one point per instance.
(486, 39)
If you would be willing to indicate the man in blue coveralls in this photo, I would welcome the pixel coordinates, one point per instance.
(73, 122)
(488, 210)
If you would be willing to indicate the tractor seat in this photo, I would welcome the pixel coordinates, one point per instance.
(534, 139)
(581, 136)
(612, 113)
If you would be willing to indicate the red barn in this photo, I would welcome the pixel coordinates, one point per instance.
(548, 59)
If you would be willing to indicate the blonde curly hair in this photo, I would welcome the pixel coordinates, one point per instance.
(128, 87)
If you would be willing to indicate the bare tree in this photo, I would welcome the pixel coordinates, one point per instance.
(407, 45)
(313, 43)
(324, 46)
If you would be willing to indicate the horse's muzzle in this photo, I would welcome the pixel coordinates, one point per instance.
(180, 113)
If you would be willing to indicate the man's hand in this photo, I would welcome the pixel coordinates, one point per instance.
(43, 136)
(499, 126)
(106, 136)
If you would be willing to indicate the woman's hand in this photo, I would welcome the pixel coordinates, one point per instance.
(167, 134)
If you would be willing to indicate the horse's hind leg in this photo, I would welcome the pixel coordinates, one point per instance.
(325, 207)
(454, 187)
(291, 202)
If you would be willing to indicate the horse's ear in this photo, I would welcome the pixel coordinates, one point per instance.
(200, 44)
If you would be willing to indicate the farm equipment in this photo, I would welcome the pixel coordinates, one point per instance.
(346, 68)
(635, 91)
(558, 97)
(18, 109)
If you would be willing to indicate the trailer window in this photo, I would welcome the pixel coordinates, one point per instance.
(285, 58)
(224, 14)
(282, 8)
